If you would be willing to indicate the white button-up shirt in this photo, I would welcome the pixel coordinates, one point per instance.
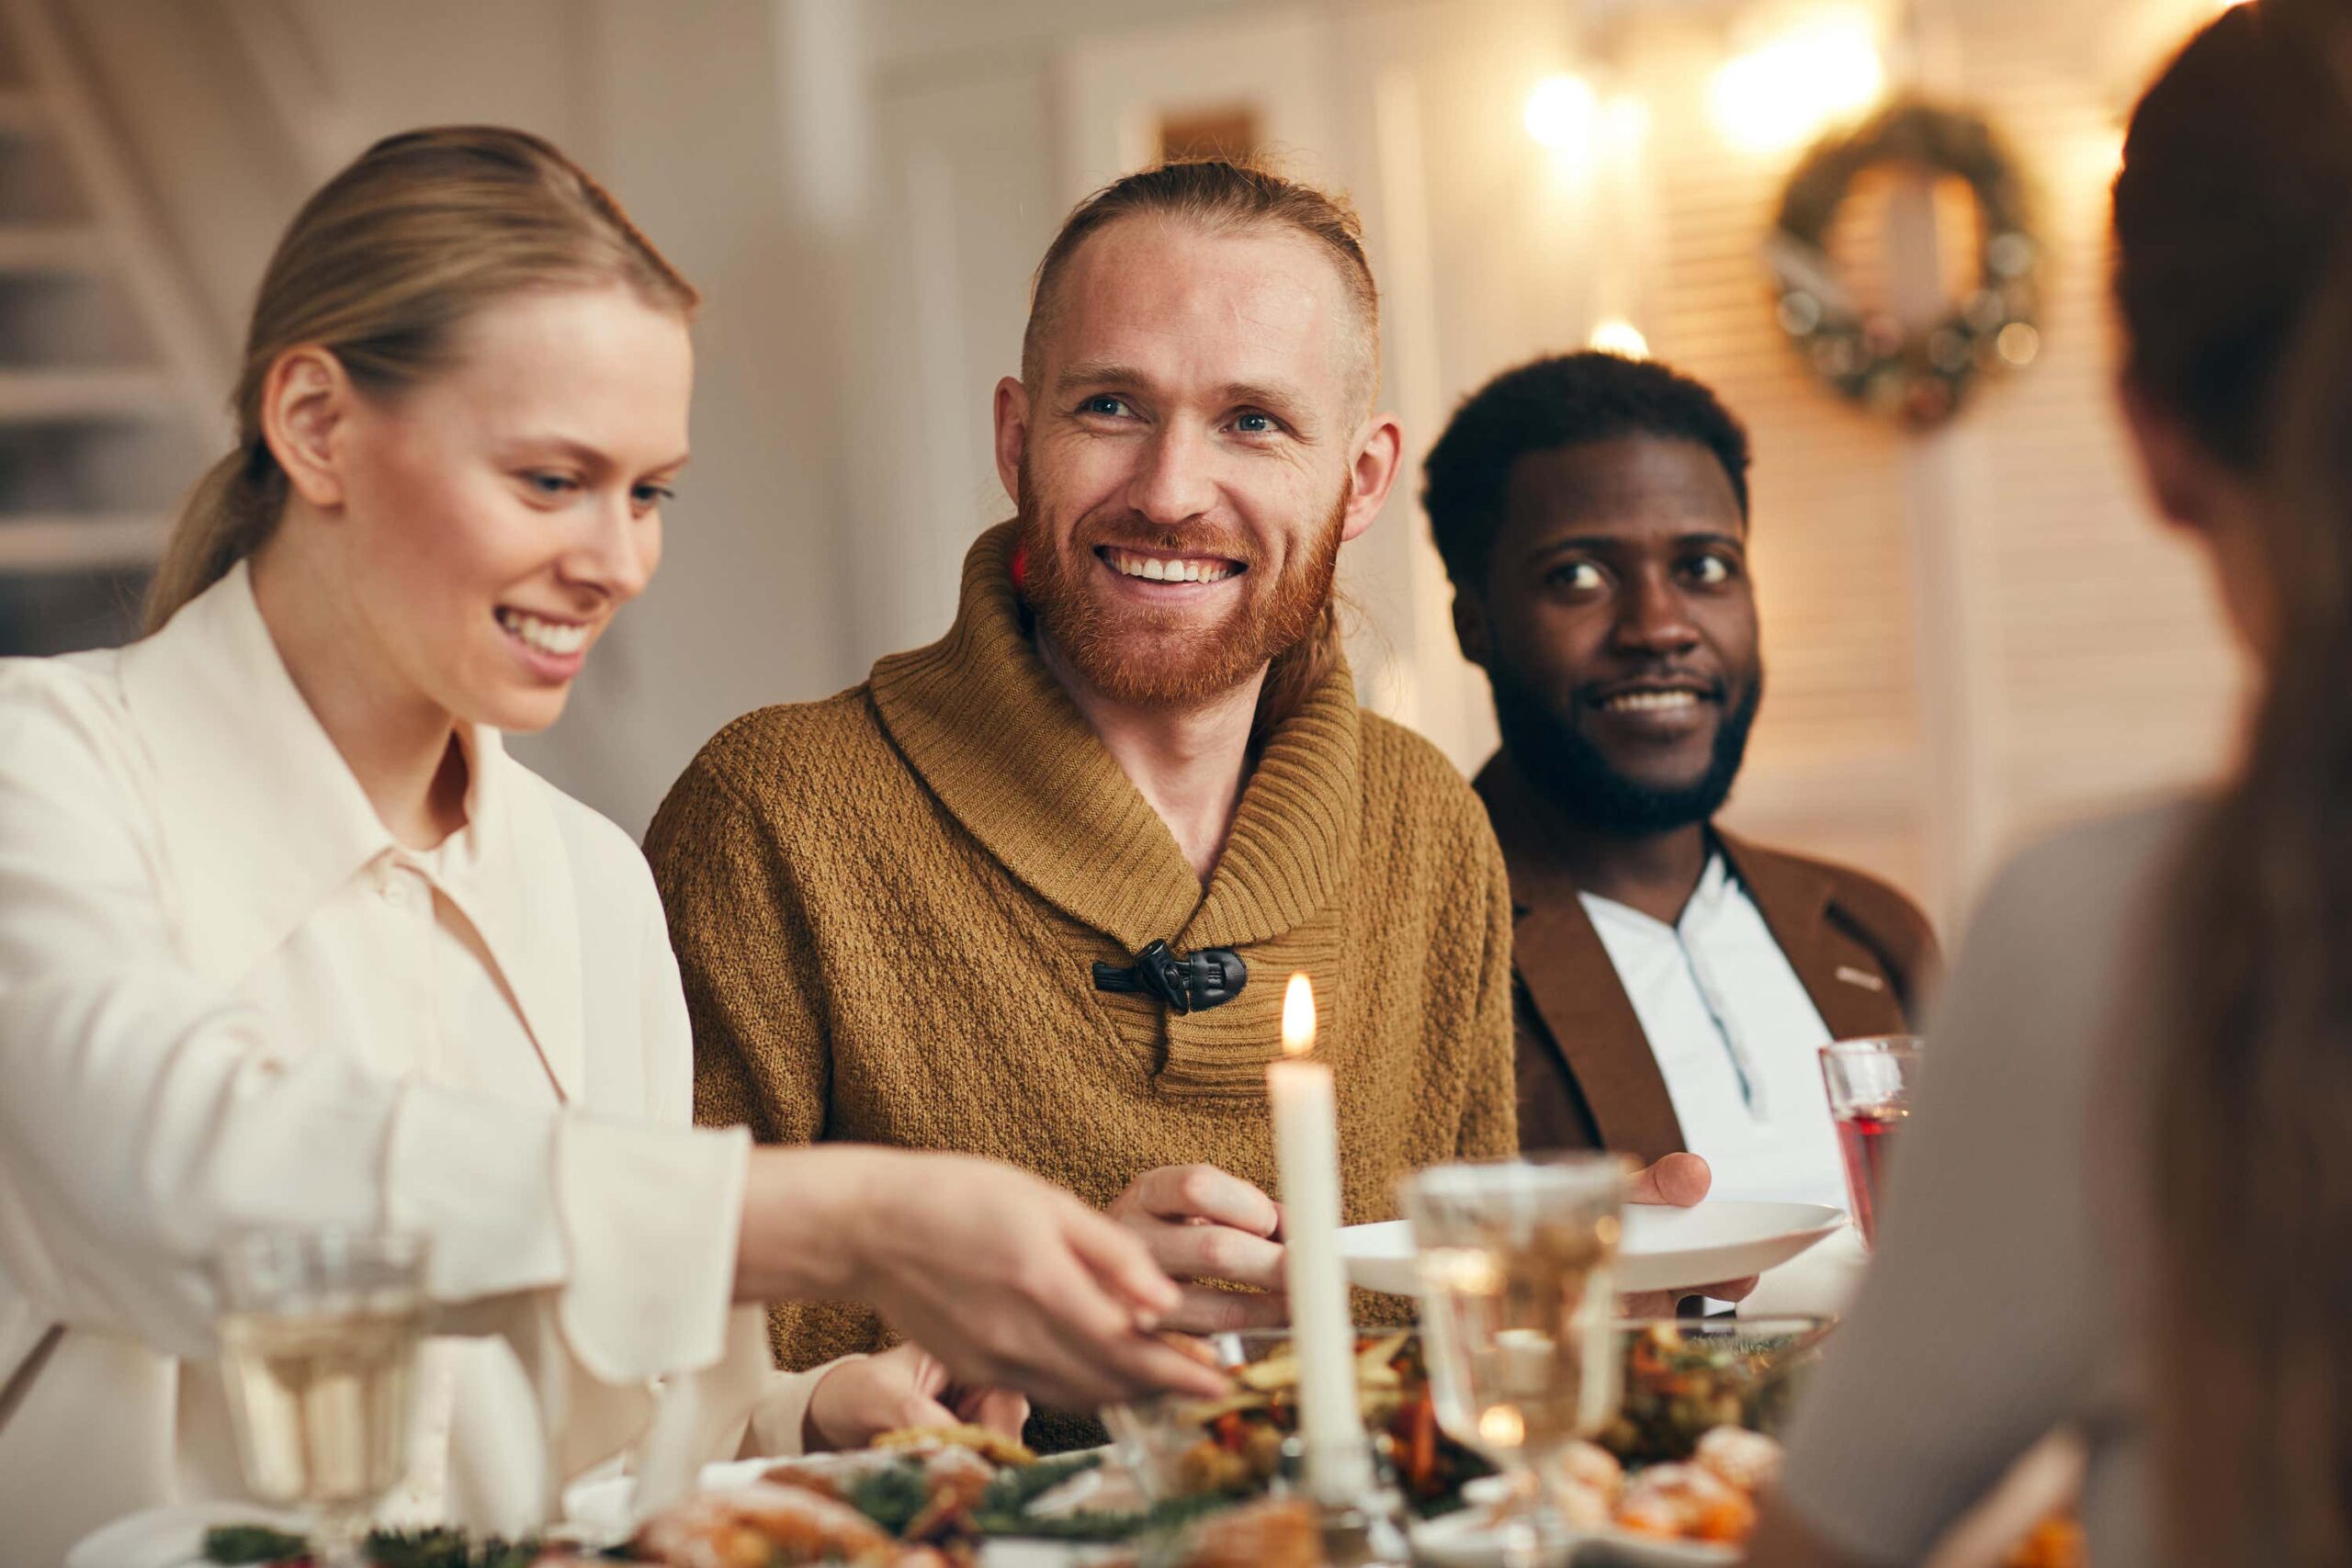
(1736, 1040)
(229, 1000)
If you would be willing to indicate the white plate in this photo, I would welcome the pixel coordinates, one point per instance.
(168, 1537)
(601, 1507)
(1665, 1249)
(1467, 1539)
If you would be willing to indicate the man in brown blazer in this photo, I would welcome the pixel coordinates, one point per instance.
(1672, 982)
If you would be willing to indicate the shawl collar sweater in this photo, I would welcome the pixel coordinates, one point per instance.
(886, 905)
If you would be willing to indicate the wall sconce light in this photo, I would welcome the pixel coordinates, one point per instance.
(1790, 89)
(1561, 114)
(1622, 338)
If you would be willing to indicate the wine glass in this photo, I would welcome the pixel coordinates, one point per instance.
(318, 1345)
(1517, 1264)
(1871, 1083)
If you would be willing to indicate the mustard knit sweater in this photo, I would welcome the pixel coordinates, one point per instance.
(886, 905)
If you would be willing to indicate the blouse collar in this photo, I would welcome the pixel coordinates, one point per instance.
(264, 820)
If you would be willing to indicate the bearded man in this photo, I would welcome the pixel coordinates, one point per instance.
(1674, 982)
(1034, 891)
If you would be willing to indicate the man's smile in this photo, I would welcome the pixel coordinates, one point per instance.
(1656, 708)
(1150, 566)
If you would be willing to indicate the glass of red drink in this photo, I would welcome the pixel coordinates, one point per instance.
(1871, 1083)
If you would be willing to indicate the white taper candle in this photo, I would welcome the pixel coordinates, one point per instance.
(1306, 1150)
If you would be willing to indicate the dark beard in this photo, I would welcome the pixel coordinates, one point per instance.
(1142, 659)
(1572, 772)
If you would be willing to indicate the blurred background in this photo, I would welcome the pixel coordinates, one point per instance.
(1972, 631)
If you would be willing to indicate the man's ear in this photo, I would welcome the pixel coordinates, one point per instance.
(1470, 628)
(1380, 453)
(305, 408)
(1011, 411)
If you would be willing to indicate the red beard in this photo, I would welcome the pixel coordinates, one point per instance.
(1171, 657)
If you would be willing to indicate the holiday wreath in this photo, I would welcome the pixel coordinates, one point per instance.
(1919, 374)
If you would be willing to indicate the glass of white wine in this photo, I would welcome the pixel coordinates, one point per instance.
(1517, 1263)
(319, 1339)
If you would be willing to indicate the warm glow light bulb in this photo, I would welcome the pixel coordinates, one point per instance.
(1787, 90)
(1560, 113)
(1622, 338)
(1298, 1017)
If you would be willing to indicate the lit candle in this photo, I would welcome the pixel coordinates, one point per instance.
(1323, 1338)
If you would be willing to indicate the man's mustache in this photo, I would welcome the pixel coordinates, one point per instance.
(1188, 541)
(1715, 688)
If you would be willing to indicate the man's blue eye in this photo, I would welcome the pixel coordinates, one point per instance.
(1105, 405)
(1256, 423)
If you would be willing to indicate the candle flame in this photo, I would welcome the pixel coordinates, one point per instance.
(1503, 1427)
(1298, 1017)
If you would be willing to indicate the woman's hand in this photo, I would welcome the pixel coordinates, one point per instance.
(863, 1397)
(1008, 1280)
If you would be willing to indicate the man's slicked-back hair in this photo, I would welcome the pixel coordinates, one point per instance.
(1559, 401)
(1217, 196)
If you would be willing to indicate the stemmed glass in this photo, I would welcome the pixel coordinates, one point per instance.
(1871, 1083)
(319, 1339)
(1517, 1261)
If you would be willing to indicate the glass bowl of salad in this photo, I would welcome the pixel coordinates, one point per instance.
(1685, 1376)
(1241, 1444)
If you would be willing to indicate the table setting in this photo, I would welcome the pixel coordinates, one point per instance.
(1522, 1422)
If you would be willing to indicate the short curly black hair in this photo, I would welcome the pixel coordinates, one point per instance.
(1558, 401)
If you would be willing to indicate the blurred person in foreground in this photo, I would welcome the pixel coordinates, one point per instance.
(2125, 1201)
(1035, 890)
(1671, 982)
(287, 940)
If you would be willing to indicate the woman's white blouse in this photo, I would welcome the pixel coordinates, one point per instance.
(228, 1000)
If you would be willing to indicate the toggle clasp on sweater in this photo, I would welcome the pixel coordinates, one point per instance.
(1210, 977)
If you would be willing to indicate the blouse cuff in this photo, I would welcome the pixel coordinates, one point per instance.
(635, 1228)
(779, 1422)
(653, 1217)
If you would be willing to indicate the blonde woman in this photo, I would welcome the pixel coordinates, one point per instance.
(286, 939)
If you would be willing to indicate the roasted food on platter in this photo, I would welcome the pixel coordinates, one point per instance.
(1710, 1496)
(1681, 1464)
(1587, 1486)
(994, 1447)
(1269, 1533)
(1686, 1501)
(928, 1502)
(766, 1525)
(1748, 1461)
(934, 1501)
